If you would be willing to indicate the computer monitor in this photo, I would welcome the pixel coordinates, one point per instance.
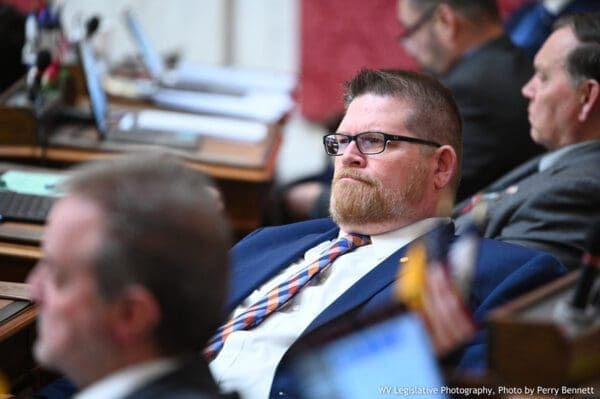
(390, 357)
(150, 56)
(158, 127)
(235, 82)
(93, 82)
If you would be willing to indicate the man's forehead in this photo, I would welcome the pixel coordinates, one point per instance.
(556, 49)
(406, 10)
(75, 210)
(75, 224)
(372, 111)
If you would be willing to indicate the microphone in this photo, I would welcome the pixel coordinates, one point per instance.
(590, 264)
(43, 59)
(576, 314)
(91, 26)
(34, 77)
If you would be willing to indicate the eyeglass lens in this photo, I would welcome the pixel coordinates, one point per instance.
(367, 143)
(414, 28)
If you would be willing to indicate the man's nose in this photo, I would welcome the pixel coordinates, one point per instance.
(352, 156)
(409, 46)
(528, 90)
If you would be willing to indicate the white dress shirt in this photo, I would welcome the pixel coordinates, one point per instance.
(248, 360)
(121, 383)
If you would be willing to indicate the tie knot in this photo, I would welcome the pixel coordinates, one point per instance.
(354, 240)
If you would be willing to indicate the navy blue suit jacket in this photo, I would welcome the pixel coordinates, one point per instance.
(530, 25)
(504, 272)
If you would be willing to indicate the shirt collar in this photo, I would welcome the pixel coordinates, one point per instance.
(386, 243)
(551, 158)
(122, 382)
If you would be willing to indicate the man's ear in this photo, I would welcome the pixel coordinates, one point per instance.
(446, 21)
(445, 166)
(590, 96)
(136, 315)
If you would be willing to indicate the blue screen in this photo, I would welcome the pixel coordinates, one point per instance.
(390, 358)
(91, 72)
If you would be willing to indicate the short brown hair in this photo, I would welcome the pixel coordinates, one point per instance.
(435, 115)
(474, 10)
(163, 231)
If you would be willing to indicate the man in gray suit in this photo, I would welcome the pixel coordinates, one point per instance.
(132, 281)
(550, 202)
(463, 43)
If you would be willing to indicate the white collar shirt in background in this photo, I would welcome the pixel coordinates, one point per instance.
(123, 382)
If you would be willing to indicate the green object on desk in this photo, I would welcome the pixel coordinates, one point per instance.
(36, 183)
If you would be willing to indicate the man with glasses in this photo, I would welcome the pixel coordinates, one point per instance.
(397, 156)
(463, 43)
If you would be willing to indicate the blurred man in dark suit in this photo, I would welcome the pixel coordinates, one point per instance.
(463, 43)
(132, 281)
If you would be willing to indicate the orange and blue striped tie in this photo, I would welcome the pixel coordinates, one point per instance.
(282, 293)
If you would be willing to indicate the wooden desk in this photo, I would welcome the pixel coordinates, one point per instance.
(532, 342)
(19, 242)
(243, 171)
(17, 334)
(19, 249)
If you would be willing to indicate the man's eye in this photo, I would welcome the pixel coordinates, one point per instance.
(371, 141)
(59, 279)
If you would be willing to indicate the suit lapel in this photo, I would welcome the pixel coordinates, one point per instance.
(192, 376)
(377, 280)
(528, 176)
(374, 282)
(578, 155)
(517, 175)
(531, 167)
(273, 260)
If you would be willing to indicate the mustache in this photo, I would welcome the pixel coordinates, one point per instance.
(353, 174)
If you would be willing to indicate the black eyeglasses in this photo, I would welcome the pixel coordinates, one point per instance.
(414, 28)
(368, 143)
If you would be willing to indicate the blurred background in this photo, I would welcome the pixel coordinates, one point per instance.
(321, 42)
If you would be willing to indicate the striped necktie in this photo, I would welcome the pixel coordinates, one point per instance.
(277, 297)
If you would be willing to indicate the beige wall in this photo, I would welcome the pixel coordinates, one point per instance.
(247, 33)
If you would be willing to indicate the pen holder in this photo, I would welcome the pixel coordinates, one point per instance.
(533, 343)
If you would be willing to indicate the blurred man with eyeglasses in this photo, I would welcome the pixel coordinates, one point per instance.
(397, 159)
(463, 43)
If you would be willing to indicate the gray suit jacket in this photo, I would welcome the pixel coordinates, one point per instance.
(550, 210)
